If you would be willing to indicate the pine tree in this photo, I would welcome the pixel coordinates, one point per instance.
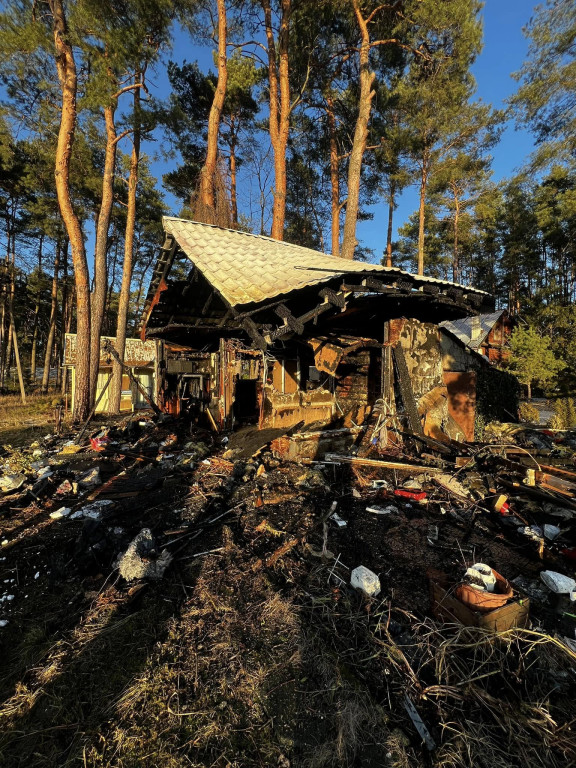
(532, 359)
(546, 98)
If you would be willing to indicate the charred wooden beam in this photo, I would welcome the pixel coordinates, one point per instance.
(405, 384)
(207, 303)
(171, 327)
(227, 315)
(292, 322)
(377, 285)
(252, 330)
(334, 298)
(312, 314)
(404, 284)
(348, 288)
(475, 299)
(261, 308)
(456, 294)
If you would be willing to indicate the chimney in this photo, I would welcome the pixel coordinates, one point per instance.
(476, 330)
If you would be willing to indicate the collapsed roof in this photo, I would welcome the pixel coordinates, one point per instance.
(210, 280)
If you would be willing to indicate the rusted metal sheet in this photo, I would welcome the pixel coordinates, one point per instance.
(283, 410)
(162, 286)
(138, 354)
(461, 388)
(326, 355)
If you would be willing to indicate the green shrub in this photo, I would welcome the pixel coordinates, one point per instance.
(497, 396)
(564, 414)
(529, 413)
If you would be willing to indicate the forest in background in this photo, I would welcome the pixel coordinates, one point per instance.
(310, 113)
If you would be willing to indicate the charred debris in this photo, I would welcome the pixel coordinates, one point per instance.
(308, 559)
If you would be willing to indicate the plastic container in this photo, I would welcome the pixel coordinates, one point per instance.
(483, 575)
(482, 600)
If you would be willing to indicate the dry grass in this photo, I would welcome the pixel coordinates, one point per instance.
(65, 697)
(21, 424)
(489, 700)
(242, 680)
(279, 666)
(503, 700)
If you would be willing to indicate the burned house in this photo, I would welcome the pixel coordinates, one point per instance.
(254, 330)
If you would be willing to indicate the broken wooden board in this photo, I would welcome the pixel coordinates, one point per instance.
(378, 463)
(538, 493)
(406, 390)
(453, 486)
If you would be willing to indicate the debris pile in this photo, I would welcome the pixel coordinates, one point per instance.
(409, 606)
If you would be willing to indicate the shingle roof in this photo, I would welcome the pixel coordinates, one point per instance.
(246, 268)
(463, 329)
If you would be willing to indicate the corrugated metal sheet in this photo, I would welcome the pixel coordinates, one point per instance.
(246, 268)
(463, 329)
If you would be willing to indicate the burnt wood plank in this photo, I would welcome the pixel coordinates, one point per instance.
(406, 390)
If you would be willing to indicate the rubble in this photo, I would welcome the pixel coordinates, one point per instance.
(93, 510)
(58, 514)
(11, 483)
(141, 560)
(440, 533)
(558, 582)
(366, 581)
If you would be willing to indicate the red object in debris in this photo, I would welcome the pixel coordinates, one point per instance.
(504, 510)
(569, 553)
(99, 443)
(413, 495)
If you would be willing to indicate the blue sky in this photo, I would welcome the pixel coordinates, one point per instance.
(504, 50)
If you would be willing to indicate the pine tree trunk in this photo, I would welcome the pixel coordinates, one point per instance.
(124, 299)
(52, 323)
(66, 325)
(98, 298)
(36, 317)
(391, 201)
(3, 341)
(64, 322)
(279, 93)
(14, 337)
(334, 177)
(360, 136)
(421, 217)
(8, 363)
(207, 195)
(455, 254)
(5, 295)
(34, 348)
(233, 170)
(66, 67)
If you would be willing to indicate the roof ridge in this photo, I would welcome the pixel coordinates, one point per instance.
(267, 238)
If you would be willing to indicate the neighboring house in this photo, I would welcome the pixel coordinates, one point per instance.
(487, 335)
(254, 330)
(140, 356)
